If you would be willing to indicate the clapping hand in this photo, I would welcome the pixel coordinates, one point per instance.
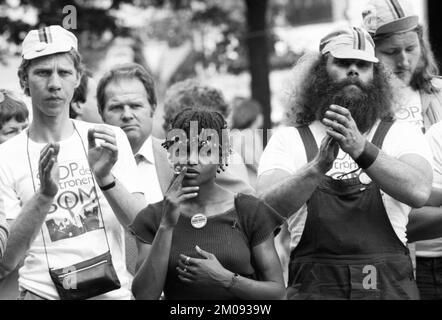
(102, 157)
(343, 129)
(327, 154)
(48, 170)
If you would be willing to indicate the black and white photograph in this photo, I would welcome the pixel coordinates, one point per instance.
(219, 157)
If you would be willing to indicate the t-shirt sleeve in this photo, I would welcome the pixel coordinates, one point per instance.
(434, 138)
(259, 219)
(280, 153)
(405, 138)
(10, 204)
(3, 237)
(125, 170)
(146, 223)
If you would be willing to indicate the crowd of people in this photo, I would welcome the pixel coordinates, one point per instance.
(99, 202)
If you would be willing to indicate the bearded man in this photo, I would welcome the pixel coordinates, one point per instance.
(347, 203)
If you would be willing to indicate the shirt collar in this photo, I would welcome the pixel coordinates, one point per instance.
(146, 150)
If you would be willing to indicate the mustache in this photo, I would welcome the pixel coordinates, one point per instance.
(337, 86)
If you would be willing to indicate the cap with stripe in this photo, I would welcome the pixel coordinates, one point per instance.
(383, 17)
(349, 43)
(46, 41)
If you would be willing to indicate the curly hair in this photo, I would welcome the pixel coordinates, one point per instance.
(304, 105)
(23, 69)
(206, 119)
(192, 94)
(427, 68)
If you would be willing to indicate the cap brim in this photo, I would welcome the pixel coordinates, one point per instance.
(51, 48)
(400, 25)
(353, 54)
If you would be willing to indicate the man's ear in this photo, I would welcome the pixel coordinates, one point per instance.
(25, 83)
(77, 108)
(79, 75)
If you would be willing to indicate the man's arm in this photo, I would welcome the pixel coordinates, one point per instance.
(288, 193)
(102, 159)
(407, 179)
(124, 204)
(25, 228)
(4, 233)
(425, 224)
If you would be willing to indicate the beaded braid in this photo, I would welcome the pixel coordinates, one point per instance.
(206, 119)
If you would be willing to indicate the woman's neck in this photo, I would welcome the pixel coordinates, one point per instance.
(210, 195)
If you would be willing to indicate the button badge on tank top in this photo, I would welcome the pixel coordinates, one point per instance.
(364, 178)
(198, 221)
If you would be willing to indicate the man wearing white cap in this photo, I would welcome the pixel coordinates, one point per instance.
(347, 203)
(69, 186)
(403, 48)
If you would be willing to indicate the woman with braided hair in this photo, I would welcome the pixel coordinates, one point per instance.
(203, 241)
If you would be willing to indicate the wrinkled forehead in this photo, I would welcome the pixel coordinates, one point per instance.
(125, 90)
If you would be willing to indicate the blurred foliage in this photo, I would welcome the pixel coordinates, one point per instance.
(216, 28)
(96, 26)
(223, 22)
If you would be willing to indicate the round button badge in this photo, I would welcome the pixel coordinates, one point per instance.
(198, 221)
(364, 178)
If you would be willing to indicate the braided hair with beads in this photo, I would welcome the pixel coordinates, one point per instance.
(206, 119)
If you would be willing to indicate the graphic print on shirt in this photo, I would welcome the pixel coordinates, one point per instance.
(408, 107)
(75, 209)
(411, 114)
(344, 167)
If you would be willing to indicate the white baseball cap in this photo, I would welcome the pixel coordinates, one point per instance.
(46, 41)
(382, 17)
(349, 43)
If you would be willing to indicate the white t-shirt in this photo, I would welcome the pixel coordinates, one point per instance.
(433, 248)
(73, 230)
(285, 151)
(408, 107)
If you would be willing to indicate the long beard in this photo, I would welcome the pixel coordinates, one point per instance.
(361, 99)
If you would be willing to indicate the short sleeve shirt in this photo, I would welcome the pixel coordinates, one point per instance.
(230, 236)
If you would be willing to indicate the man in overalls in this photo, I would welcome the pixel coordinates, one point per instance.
(347, 204)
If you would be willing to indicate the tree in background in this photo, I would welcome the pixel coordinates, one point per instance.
(240, 33)
(96, 24)
(258, 52)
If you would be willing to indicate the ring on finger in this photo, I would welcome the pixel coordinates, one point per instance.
(187, 261)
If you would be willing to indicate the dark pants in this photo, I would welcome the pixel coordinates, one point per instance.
(429, 278)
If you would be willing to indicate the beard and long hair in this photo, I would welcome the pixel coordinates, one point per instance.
(367, 102)
(427, 68)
